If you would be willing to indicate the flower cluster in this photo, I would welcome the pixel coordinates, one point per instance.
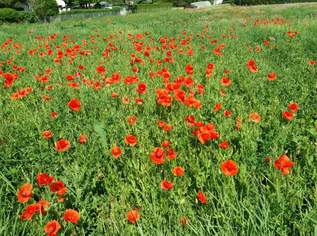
(56, 189)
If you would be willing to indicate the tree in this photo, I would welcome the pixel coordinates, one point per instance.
(44, 8)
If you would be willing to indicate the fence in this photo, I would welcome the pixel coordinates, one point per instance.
(70, 16)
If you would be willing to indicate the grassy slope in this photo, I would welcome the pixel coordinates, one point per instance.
(259, 200)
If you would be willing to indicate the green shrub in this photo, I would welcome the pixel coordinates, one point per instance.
(45, 8)
(12, 16)
(28, 16)
(8, 15)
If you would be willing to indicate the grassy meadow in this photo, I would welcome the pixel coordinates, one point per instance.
(134, 116)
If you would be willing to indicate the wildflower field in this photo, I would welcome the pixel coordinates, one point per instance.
(169, 123)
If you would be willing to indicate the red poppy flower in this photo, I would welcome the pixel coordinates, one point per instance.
(62, 145)
(74, 104)
(131, 140)
(44, 179)
(125, 100)
(166, 185)
(74, 85)
(58, 187)
(165, 143)
(138, 101)
(211, 66)
(131, 120)
(82, 139)
(209, 69)
(54, 114)
(166, 127)
(71, 216)
(292, 34)
(217, 107)
(227, 113)
(114, 95)
(201, 197)
(191, 101)
(141, 89)
(287, 115)
(189, 69)
(25, 192)
(266, 42)
(293, 106)
(44, 205)
(133, 216)
(47, 134)
(225, 81)
(218, 50)
(271, 76)
(163, 97)
(206, 132)
(252, 66)
(135, 69)
(116, 152)
(157, 156)
(178, 171)
(52, 228)
(171, 154)
(200, 88)
(161, 124)
(29, 211)
(70, 77)
(229, 168)
(254, 117)
(224, 145)
(9, 79)
(190, 119)
(226, 71)
(258, 48)
(283, 163)
(21, 93)
(100, 69)
(188, 82)
(131, 79)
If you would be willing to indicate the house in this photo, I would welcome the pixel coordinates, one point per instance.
(205, 4)
(62, 6)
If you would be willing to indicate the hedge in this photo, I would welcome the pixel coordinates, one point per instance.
(9, 15)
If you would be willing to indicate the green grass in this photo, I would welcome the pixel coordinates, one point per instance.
(259, 200)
